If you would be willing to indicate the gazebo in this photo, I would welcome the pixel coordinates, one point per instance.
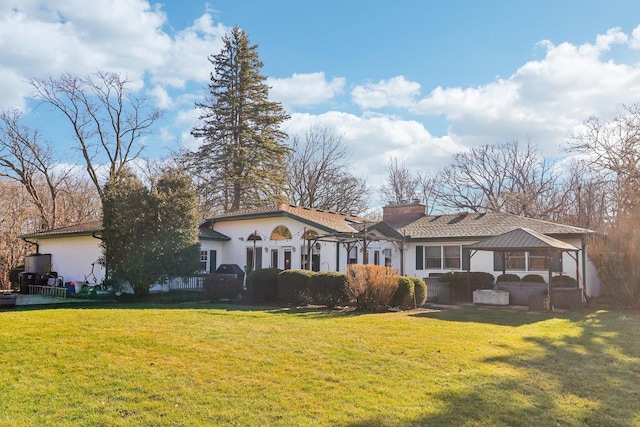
(525, 240)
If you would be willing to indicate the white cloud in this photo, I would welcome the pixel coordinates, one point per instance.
(543, 99)
(161, 97)
(50, 37)
(373, 140)
(305, 90)
(395, 92)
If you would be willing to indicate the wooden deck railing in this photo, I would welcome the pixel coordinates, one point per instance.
(192, 283)
(49, 291)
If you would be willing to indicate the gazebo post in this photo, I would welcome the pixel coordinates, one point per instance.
(549, 288)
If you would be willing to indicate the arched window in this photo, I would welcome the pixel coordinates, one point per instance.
(310, 234)
(280, 233)
(254, 236)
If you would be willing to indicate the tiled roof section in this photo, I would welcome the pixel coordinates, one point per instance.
(327, 219)
(84, 228)
(481, 225)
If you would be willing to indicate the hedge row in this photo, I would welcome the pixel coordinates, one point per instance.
(330, 288)
(475, 279)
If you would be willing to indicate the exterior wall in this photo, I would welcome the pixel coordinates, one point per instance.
(333, 256)
(72, 256)
(483, 261)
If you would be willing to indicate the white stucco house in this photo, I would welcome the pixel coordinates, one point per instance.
(292, 237)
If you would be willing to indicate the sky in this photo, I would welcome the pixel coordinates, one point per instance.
(412, 80)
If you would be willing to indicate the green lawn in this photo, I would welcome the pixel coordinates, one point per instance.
(201, 364)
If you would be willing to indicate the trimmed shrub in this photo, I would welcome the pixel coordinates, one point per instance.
(403, 295)
(329, 288)
(217, 288)
(419, 290)
(564, 282)
(534, 278)
(508, 278)
(371, 286)
(293, 286)
(475, 279)
(262, 286)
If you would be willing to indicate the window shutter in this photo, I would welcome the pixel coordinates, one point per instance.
(419, 258)
(213, 262)
(466, 259)
(498, 262)
(556, 262)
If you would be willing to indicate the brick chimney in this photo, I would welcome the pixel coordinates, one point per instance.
(400, 214)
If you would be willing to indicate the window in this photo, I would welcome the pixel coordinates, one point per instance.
(387, 257)
(432, 257)
(315, 257)
(204, 257)
(516, 261)
(280, 233)
(353, 255)
(538, 261)
(376, 257)
(451, 257)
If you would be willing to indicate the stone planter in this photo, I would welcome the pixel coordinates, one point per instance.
(8, 300)
(490, 297)
(519, 292)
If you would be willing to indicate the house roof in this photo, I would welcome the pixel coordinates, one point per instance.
(86, 228)
(521, 239)
(93, 227)
(482, 225)
(325, 220)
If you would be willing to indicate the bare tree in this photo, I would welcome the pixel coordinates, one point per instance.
(401, 185)
(501, 178)
(16, 217)
(589, 198)
(79, 201)
(318, 175)
(24, 158)
(428, 190)
(613, 148)
(107, 118)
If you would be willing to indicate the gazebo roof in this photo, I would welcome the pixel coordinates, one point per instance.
(522, 239)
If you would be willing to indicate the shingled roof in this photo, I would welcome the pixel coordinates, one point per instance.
(482, 225)
(93, 227)
(85, 228)
(327, 220)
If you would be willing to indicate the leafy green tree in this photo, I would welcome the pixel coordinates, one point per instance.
(176, 236)
(242, 159)
(150, 235)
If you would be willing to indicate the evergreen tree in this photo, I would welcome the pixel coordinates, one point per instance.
(150, 235)
(242, 159)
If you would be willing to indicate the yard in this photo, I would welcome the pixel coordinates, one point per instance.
(202, 364)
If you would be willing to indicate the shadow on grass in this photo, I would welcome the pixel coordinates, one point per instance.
(493, 315)
(590, 378)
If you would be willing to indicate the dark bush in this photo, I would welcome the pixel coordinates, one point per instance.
(534, 278)
(419, 290)
(14, 276)
(293, 286)
(508, 278)
(403, 295)
(217, 287)
(262, 286)
(329, 288)
(564, 282)
(475, 279)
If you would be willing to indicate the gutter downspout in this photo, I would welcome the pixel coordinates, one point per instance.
(32, 243)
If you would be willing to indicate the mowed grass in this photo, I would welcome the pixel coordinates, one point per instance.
(201, 364)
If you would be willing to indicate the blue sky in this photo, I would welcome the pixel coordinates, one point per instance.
(415, 80)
